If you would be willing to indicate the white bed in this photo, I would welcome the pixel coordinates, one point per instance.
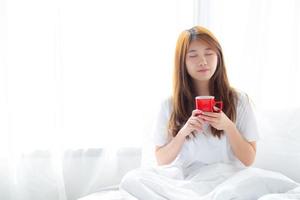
(278, 152)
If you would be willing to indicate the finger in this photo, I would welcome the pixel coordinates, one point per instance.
(209, 119)
(211, 114)
(198, 119)
(217, 109)
(197, 128)
(191, 122)
(195, 122)
(201, 121)
(196, 112)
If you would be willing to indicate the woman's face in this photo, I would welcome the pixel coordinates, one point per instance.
(201, 61)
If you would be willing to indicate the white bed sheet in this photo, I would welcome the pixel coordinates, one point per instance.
(214, 182)
(116, 195)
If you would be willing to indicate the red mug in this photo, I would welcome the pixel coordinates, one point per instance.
(207, 103)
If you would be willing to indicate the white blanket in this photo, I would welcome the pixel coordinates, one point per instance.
(292, 194)
(217, 181)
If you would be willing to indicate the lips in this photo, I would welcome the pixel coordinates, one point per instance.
(203, 70)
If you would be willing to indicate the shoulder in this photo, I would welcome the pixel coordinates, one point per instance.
(167, 102)
(166, 106)
(245, 105)
(242, 98)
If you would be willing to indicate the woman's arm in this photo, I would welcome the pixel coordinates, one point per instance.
(167, 153)
(245, 151)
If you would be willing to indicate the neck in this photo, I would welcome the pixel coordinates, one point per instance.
(202, 88)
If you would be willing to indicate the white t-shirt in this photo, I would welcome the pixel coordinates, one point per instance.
(205, 148)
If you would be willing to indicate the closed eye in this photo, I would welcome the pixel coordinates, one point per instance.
(193, 55)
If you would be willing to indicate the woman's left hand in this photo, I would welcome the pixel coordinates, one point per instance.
(218, 120)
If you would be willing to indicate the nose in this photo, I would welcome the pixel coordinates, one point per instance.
(202, 61)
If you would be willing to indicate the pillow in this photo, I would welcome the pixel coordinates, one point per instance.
(279, 146)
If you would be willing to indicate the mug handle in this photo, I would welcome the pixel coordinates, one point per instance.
(220, 103)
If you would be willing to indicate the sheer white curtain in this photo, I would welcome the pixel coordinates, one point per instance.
(261, 42)
(74, 69)
(78, 77)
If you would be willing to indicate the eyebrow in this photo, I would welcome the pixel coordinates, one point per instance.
(193, 50)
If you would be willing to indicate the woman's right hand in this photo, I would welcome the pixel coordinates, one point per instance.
(193, 125)
(167, 153)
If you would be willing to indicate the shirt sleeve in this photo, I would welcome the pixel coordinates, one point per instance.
(160, 127)
(246, 120)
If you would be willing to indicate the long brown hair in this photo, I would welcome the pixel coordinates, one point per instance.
(183, 89)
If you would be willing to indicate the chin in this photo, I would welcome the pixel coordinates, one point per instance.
(202, 79)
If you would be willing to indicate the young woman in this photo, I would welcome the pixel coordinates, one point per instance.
(184, 135)
(200, 71)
